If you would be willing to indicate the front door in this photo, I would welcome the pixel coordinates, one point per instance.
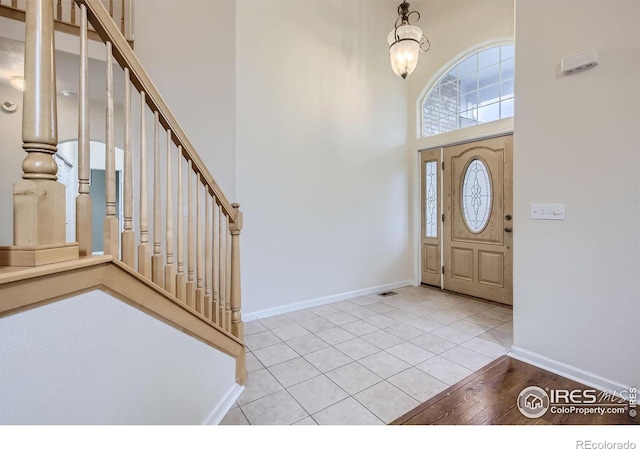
(477, 231)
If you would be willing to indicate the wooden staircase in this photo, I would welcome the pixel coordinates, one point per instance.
(176, 258)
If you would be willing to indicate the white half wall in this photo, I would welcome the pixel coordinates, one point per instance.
(93, 359)
(577, 141)
(321, 156)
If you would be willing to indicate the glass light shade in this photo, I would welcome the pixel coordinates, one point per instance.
(404, 49)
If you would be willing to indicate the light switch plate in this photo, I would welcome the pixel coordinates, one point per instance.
(547, 212)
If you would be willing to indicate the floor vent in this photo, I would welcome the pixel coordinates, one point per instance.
(387, 293)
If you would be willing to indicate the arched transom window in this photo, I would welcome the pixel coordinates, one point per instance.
(478, 89)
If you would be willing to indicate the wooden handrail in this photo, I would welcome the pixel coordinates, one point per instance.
(104, 25)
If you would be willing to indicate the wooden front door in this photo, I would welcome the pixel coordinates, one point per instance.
(478, 225)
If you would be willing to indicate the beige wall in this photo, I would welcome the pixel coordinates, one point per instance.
(188, 49)
(322, 165)
(577, 141)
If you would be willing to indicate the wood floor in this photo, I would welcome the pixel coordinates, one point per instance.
(489, 396)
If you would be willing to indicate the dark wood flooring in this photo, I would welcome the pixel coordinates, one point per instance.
(489, 396)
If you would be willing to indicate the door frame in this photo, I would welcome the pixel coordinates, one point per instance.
(498, 128)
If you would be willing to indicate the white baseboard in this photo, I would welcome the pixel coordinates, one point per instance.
(568, 371)
(321, 301)
(222, 408)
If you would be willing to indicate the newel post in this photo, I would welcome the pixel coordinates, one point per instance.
(39, 229)
(237, 327)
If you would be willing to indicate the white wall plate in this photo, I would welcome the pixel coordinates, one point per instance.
(9, 106)
(547, 212)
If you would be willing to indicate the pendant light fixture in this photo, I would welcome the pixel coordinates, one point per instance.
(406, 42)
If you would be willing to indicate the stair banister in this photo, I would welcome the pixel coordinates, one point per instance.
(210, 291)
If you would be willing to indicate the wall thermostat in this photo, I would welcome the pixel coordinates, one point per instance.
(9, 106)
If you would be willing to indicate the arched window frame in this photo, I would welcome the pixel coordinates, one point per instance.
(435, 80)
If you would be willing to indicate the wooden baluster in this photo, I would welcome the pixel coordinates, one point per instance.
(144, 256)
(221, 267)
(38, 200)
(169, 269)
(128, 243)
(191, 251)
(14, 4)
(199, 252)
(59, 10)
(110, 240)
(84, 204)
(227, 273)
(216, 263)
(181, 285)
(73, 12)
(126, 27)
(207, 256)
(156, 259)
(111, 8)
(237, 327)
(122, 25)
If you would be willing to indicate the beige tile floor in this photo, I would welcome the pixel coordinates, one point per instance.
(366, 360)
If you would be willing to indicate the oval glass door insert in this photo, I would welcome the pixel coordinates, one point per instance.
(476, 196)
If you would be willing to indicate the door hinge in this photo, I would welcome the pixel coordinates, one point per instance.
(443, 218)
(443, 269)
(443, 165)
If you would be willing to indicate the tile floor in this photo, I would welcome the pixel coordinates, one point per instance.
(367, 360)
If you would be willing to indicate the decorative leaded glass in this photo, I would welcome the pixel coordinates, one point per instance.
(479, 89)
(431, 206)
(476, 196)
